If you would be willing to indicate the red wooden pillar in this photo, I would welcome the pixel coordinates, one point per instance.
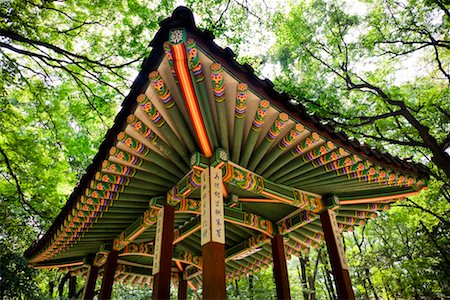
(213, 235)
(182, 287)
(214, 284)
(337, 255)
(280, 268)
(89, 288)
(108, 276)
(161, 280)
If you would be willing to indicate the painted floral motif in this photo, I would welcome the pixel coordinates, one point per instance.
(151, 110)
(142, 128)
(241, 100)
(291, 137)
(306, 144)
(244, 179)
(161, 89)
(217, 82)
(277, 127)
(315, 153)
(176, 36)
(125, 156)
(260, 115)
(194, 61)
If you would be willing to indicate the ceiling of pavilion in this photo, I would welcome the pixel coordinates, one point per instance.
(192, 105)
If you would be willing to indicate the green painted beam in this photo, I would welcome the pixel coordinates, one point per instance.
(268, 140)
(299, 155)
(258, 122)
(239, 120)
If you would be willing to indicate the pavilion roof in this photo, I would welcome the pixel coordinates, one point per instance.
(193, 105)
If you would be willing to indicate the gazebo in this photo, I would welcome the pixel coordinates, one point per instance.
(209, 174)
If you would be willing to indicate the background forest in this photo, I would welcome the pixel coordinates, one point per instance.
(378, 70)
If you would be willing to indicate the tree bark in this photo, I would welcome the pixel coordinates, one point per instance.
(250, 286)
(236, 288)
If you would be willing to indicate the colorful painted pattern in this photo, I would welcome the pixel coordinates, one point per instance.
(254, 265)
(327, 158)
(195, 65)
(169, 56)
(241, 100)
(315, 153)
(189, 205)
(190, 98)
(142, 128)
(141, 249)
(258, 222)
(305, 144)
(342, 163)
(103, 186)
(100, 258)
(307, 201)
(161, 89)
(189, 183)
(150, 216)
(111, 178)
(125, 156)
(174, 197)
(243, 178)
(118, 169)
(260, 115)
(296, 221)
(151, 110)
(276, 128)
(290, 138)
(187, 257)
(133, 143)
(217, 82)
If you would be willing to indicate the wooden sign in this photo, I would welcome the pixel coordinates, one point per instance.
(337, 236)
(205, 207)
(158, 241)
(212, 211)
(217, 211)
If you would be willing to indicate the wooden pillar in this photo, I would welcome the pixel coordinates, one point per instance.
(108, 276)
(337, 255)
(182, 287)
(162, 267)
(213, 235)
(280, 268)
(89, 288)
(214, 284)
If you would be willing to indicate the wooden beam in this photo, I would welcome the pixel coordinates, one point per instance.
(337, 255)
(161, 280)
(280, 268)
(108, 276)
(89, 288)
(249, 181)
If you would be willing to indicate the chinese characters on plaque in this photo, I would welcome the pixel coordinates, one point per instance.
(337, 236)
(158, 241)
(213, 228)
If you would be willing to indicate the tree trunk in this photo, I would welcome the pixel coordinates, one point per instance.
(236, 288)
(250, 286)
(61, 284)
(302, 275)
(72, 287)
(328, 278)
(51, 288)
